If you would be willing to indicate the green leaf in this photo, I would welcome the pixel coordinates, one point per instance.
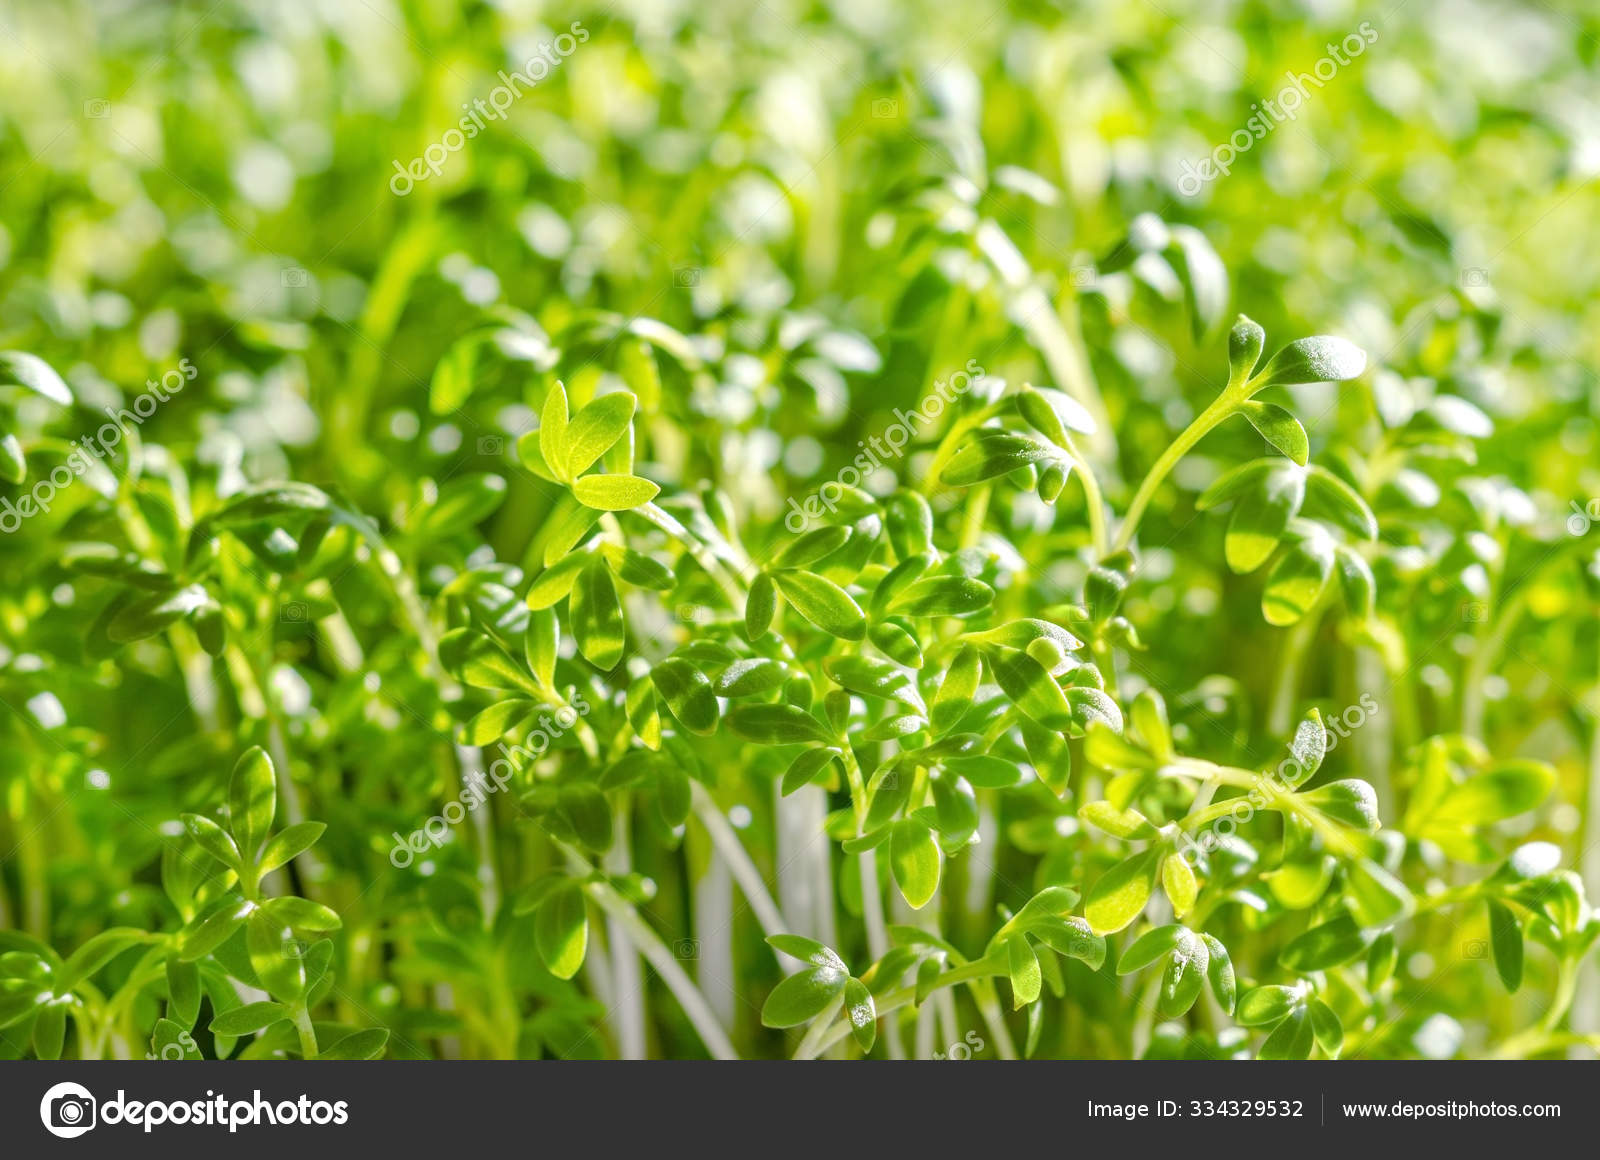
(688, 693)
(1278, 428)
(956, 808)
(249, 1019)
(1023, 967)
(895, 640)
(1031, 688)
(149, 615)
(1325, 1025)
(1326, 492)
(170, 1040)
(1184, 977)
(1119, 895)
(553, 431)
(1152, 945)
(451, 385)
(1073, 938)
(598, 626)
(915, 860)
(589, 813)
(463, 503)
(1019, 634)
(555, 582)
(1352, 802)
(561, 930)
(97, 952)
(1128, 824)
(565, 528)
(1381, 960)
(1205, 279)
(183, 991)
(1245, 342)
(482, 663)
(1235, 482)
(213, 839)
(1261, 517)
(18, 368)
(1220, 972)
(1149, 716)
(302, 915)
(1376, 896)
(990, 454)
(614, 493)
(1323, 359)
(808, 767)
(1297, 581)
(274, 955)
(751, 675)
(823, 603)
(212, 928)
(807, 950)
(874, 678)
(1356, 581)
(1330, 945)
(1037, 412)
(50, 1030)
(777, 725)
(594, 429)
(1505, 940)
(985, 771)
(1293, 1038)
(802, 997)
(13, 463)
(541, 644)
(943, 596)
(759, 607)
(1092, 709)
(252, 800)
(1264, 1006)
(862, 1012)
(957, 690)
(813, 546)
(1308, 746)
(286, 844)
(1177, 879)
(1511, 788)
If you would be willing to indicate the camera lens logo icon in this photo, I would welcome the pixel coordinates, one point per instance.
(67, 1110)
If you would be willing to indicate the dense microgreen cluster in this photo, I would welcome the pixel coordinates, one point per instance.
(783, 546)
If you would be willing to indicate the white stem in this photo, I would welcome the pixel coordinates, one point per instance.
(713, 933)
(627, 980)
(878, 939)
(733, 853)
(633, 929)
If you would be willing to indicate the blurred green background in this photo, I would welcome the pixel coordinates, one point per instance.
(837, 204)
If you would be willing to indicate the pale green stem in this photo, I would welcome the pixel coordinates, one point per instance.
(1484, 656)
(1093, 501)
(308, 1035)
(1221, 407)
